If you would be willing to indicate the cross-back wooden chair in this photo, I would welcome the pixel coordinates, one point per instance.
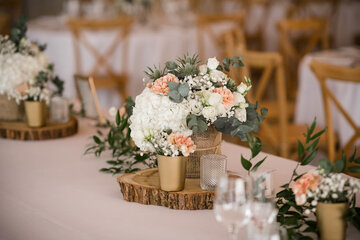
(205, 25)
(271, 65)
(324, 71)
(110, 78)
(313, 32)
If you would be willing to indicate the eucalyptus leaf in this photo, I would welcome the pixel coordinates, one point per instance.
(325, 164)
(173, 85)
(175, 96)
(184, 90)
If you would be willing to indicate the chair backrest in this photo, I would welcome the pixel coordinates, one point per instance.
(310, 33)
(317, 30)
(121, 26)
(325, 71)
(272, 74)
(304, 8)
(205, 24)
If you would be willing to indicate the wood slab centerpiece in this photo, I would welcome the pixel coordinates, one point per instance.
(21, 131)
(144, 187)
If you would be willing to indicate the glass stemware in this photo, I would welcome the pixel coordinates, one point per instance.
(263, 210)
(231, 204)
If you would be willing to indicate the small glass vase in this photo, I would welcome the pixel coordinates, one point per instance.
(172, 172)
(212, 166)
(331, 220)
(59, 110)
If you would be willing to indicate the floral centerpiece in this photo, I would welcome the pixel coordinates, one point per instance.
(318, 201)
(329, 195)
(186, 98)
(25, 71)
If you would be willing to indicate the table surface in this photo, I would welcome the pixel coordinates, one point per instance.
(50, 190)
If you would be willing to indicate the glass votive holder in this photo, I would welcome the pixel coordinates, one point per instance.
(212, 166)
(59, 110)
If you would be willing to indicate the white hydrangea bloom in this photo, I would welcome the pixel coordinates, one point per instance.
(157, 113)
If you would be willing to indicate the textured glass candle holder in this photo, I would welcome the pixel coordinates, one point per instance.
(212, 166)
(59, 110)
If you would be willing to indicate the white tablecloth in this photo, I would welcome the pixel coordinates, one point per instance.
(310, 102)
(50, 190)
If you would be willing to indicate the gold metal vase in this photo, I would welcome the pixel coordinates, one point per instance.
(331, 220)
(172, 172)
(35, 113)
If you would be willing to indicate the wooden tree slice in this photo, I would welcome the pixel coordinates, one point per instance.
(20, 130)
(143, 187)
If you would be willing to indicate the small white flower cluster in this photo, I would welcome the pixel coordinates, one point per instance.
(153, 115)
(160, 145)
(18, 68)
(204, 101)
(334, 188)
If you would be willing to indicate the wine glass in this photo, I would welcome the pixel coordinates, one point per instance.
(263, 209)
(231, 204)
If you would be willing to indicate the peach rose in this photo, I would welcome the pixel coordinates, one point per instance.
(185, 144)
(308, 181)
(21, 88)
(227, 97)
(161, 85)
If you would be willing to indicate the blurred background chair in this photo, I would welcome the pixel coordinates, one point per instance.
(10, 11)
(298, 38)
(102, 71)
(223, 23)
(324, 72)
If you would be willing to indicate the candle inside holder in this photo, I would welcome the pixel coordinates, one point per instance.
(212, 166)
(59, 110)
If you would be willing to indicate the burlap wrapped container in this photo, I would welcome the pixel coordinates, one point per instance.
(208, 142)
(10, 110)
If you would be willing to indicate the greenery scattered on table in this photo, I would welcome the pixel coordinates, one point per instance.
(290, 215)
(126, 157)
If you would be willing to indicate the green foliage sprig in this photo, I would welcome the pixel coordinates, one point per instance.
(239, 129)
(291, 215)
(178, 91)
(126, 157)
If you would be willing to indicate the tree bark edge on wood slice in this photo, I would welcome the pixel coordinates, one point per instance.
(20, 130)
(143, 187)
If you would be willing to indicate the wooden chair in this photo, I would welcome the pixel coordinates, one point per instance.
(108, 79)
(205, 25)
(313, 32)
(277, 132)
(325, 71)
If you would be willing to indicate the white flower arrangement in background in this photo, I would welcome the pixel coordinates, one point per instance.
(24, 69)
